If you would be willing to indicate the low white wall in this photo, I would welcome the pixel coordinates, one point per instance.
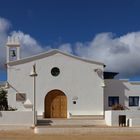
(16, 117)
(134, 122)
(108, 118)
(112, 116)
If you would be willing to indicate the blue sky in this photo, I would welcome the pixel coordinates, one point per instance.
(51, 21)
(56, 23)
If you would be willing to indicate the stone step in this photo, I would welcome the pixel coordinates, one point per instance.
(70, 122)
(79, 117)
(93, 117)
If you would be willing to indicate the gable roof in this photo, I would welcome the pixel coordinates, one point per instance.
(50, 53)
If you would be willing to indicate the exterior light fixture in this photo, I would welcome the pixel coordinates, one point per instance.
(7, 85)
(98, 70)
(100, 74)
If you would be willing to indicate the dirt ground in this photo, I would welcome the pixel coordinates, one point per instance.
(27, 135)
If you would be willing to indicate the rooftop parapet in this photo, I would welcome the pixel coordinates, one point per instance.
(13, 41)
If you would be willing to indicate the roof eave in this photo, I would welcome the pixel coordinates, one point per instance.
(50, 53)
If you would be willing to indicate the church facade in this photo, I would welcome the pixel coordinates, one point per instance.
(64, 85)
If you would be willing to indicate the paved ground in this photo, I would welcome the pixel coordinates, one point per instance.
(69, 130)
(29, 135)
(84, 130)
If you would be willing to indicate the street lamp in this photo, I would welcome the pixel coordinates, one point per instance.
(34, 75)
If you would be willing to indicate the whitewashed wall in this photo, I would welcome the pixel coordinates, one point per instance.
(112, 117)
(123, 89)
(16, 118)
(134, 122)
(77, 78)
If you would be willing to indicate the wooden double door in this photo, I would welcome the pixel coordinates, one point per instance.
(55, 105)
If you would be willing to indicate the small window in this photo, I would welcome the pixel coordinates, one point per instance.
(133, 100)
(55, 71)
(21, 97)
(112, 100)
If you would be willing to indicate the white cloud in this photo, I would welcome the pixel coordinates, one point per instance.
(66, 48)
(120, 54)
(29, 46)
(4, 27)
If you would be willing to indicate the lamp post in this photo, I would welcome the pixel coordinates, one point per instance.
(34, 75)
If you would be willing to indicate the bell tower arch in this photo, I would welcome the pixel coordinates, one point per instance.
(13, 49)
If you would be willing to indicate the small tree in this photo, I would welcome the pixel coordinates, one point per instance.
(3, 100)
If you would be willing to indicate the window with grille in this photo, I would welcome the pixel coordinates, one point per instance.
(112, 100)
(133, 100)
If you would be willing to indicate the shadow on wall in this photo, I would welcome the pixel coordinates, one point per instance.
(44, 122)
(0, 114)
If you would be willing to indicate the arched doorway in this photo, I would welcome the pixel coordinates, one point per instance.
(55, 105)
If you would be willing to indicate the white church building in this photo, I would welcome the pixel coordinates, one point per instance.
(55, 84)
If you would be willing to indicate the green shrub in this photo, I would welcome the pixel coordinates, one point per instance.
(118, 107)
(3, 100)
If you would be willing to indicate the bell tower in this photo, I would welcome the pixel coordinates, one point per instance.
(13, 49)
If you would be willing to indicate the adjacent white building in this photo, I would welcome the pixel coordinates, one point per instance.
(122, 92)
(65, 85)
